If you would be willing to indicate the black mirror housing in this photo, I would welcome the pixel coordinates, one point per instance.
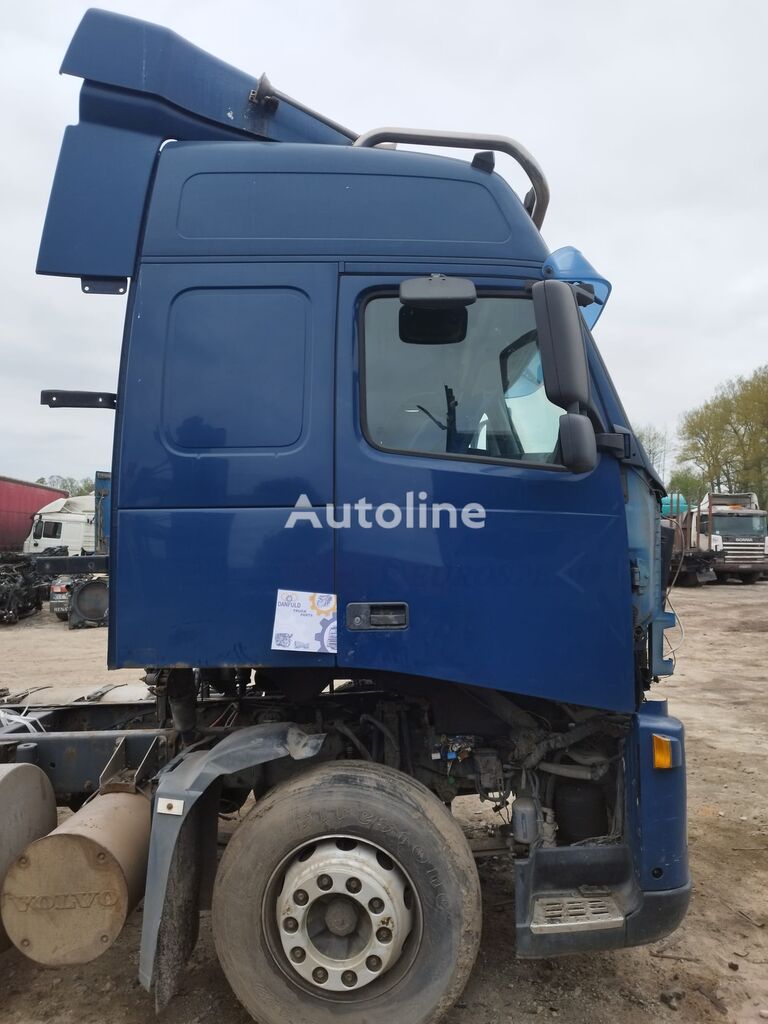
(578, 444)
(561, 343)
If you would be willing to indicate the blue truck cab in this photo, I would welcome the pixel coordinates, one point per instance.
(381, 533)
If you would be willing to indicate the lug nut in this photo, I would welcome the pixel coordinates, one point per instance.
(291, 924)
(376, 906)
(325, 882)
(298, 955)
(320, 975)
(349, 978)
(373, 963)
(300, 898)
(384, 935)
(354, 885)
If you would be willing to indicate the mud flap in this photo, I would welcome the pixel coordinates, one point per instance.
(182, 849)
(194, 857)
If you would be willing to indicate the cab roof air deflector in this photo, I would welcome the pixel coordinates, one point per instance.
(144, 85)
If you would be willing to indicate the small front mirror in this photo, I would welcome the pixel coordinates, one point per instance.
(561, 343)
(434, 309)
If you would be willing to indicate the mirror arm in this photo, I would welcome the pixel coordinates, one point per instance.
(615, 444)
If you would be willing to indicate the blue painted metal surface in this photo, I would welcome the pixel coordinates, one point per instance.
(198, 586)
(225, 419)
(656, 801)
(240, 199)
(227, 387)
(135, 55)
(142, 85)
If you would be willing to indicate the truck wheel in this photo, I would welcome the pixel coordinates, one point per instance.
(751, 577)
(688, 579)
(347, 894)
(62, 616)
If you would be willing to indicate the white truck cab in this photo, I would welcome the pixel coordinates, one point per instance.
(68, 522)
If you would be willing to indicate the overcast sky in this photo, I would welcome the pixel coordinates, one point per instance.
(649, 120)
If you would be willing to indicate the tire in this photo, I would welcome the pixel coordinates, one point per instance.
(688, 579)
(751, 577)
(362, 815)
(62, 616)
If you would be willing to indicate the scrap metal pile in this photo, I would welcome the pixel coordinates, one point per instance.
(22, 590)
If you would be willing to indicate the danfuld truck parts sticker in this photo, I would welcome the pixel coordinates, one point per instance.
(304, 622)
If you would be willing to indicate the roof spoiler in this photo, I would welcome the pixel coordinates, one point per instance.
(144, 84)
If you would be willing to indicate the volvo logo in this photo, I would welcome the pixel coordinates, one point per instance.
(61, 900)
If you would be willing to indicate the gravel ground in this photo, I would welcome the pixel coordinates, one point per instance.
(714, 968)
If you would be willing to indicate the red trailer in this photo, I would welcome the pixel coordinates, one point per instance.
(19, 501)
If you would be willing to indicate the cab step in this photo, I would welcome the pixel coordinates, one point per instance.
(584, 910)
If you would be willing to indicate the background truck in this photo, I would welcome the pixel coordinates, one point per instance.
(740, 524)
(64, 522)
(722, 537)
(19, 500)
(362, 419)
(82, 599)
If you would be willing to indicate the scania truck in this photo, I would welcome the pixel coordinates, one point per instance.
(722, 538)
(361, 417)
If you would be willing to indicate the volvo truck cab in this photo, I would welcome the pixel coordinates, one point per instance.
(362, 417)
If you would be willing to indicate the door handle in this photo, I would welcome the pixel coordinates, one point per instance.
(381, 615)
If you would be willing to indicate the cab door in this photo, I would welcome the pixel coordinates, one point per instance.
(481, 560)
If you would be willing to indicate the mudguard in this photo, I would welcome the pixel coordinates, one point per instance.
(182, 848)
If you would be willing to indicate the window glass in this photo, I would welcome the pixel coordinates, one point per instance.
(738, 525)
(480, 396)
(37, 532)
(52, 530)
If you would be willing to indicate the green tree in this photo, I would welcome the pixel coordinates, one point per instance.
(689, 483)
(726, 438)
(68, 483)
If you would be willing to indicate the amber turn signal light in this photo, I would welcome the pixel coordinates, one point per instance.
(662, 751)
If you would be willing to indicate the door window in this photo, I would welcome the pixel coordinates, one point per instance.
(479, 397)
(52, 530)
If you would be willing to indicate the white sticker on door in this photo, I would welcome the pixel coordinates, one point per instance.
(304, 622)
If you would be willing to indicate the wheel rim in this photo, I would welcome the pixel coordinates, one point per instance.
(343, 916)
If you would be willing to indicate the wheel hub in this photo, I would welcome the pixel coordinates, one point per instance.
(343, 914)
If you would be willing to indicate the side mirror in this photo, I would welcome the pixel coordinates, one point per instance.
(561, 343)
(578, 443)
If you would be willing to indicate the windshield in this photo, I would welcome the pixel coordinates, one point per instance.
(725, 525)
(479, 396)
